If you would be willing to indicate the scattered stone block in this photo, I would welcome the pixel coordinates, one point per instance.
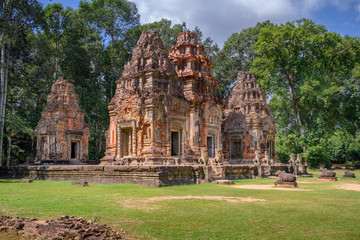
(224, 182)
(349, 175)
(64, 227)
(84, 184)
(327, 176)
(25, 180)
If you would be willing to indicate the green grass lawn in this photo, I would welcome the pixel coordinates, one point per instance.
(320, 211)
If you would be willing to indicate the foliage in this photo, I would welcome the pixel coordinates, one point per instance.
(237, 55)
(169, 33)
(311, 76)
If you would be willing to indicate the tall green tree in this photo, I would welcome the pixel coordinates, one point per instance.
(166, 29)
(55, 22)
(113, 19)
(237, 55)
(307, 70)
(17, 16)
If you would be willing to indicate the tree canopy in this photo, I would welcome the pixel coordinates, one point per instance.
(311, 76)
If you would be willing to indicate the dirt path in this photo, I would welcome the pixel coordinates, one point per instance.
(268, 187)
(352, 187)
(218, 198)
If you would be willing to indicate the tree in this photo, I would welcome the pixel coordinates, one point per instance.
(237, 54)
(307, 70)
(55, 22)
(17, 16)
(113, 19)
(167, 31)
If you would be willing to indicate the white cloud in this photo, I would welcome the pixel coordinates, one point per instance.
(220, 18)
(357, 7)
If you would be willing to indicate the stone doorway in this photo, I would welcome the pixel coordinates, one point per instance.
(269, 148)
(175, 144)
(74, 150)
(127, 142)
(210, 146)
(236, 151)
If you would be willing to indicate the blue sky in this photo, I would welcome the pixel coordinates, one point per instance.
(220, 18)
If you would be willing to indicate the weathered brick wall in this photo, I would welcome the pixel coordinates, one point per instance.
(144, 175)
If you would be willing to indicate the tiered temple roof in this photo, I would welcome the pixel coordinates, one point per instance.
(62, 133)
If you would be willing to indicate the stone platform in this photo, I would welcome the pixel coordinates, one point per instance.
(327, 179)
(144, 175)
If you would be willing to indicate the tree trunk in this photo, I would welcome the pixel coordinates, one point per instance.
(100, 138)
(2, 79)
(2, 91)
(112, 66)
(297, 112)
(9, 148)
(57, 60)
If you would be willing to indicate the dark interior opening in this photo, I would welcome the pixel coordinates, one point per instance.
(210, 146)
(73, 149)
(236, 150)
(175, 144)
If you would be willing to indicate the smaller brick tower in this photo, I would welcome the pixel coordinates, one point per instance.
(62, 135)
(249, 126)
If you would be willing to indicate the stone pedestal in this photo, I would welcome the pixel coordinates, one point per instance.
(327, 179)
(285, 184)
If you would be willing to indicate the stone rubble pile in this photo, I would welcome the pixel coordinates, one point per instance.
(65, 227)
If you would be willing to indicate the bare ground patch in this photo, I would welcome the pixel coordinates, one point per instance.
(142, 203)
(352, 187)
(268, 187)
(306, 181)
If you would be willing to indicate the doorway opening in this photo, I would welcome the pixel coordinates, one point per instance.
(175, 144)
(236, 152)
(127, 142)
(210, 146)
(74, 149)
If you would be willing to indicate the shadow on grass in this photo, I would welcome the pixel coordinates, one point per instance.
(9, 180)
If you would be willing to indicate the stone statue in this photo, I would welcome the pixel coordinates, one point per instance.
(204, 156)
(298, 159)
(219, 156)
(327, 175)
(349, 175)
(292, 159)
(265, 160)
(285, 179)
(256, 160)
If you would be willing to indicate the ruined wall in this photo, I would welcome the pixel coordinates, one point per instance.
(249, 126)
(62, 135)
(157, 176)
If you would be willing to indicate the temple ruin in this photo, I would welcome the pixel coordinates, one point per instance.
(165, 110)
(205, 113)
(164, 113)
(248, 126)
(62, 135)
(167, 127)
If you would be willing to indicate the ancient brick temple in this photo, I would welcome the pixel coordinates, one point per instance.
(62, 135)
(157, 117)
(205, 113)
(249, 126)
